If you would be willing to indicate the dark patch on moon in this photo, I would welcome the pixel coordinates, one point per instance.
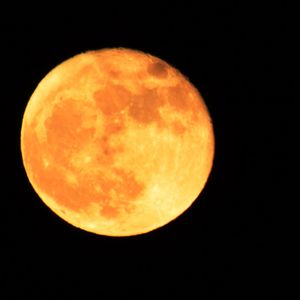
(158, 69)
(145, 107)
(112, 99)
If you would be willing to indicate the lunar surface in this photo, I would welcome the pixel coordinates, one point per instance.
(117, 142)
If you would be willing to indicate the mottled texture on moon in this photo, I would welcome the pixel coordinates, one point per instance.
(117, 142)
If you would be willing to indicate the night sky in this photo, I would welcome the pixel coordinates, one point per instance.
(227, 243)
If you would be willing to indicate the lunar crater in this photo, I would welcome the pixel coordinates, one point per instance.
(158, 69)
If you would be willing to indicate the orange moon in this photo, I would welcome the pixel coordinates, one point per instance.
(117, 142)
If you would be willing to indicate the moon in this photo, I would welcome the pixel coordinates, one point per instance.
(117, 142)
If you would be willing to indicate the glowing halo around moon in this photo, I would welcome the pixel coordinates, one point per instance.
(117, 142)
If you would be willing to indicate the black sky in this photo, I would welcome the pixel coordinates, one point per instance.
(227, 243)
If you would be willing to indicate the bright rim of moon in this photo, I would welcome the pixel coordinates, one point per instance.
(117, 142)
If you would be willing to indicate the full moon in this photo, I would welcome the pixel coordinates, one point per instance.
(117, 142)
